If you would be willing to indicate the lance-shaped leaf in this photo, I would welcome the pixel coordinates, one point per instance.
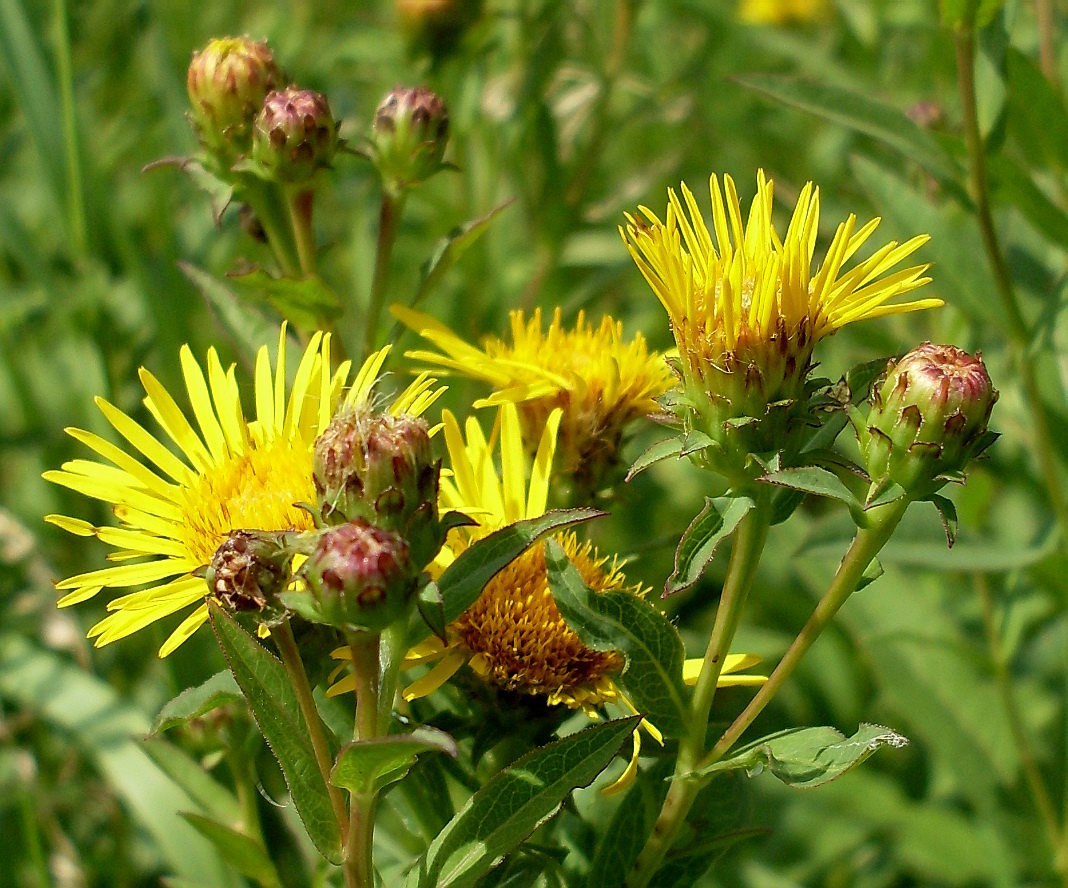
(713, 524)
(814, 480)
(862, 114)
(948, 513)
(367, 766)
(263, 681)
(620, 621)
(246, 326)
(450, 248)
(807, 757)
(244, 853)
(214, 798)
(658, 452)
(308, 302)
(217, 691)
(515, 803)
(463, 580)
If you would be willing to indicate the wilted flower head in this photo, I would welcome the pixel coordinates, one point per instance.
(929, 417)
(295, 135)
(227, 82)
(601, 382)
(748, 307)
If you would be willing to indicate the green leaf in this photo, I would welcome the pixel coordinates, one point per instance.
(1012, 184)
(620, 621)
(871, 573)
(308, 302)
(660, 451)
(464, 579)
(217, 691)
(808, 757)
(244, 853)
(102, 725)
(948, 513)
(813, 479)
(1037, 115)
(968, 13)
(208, 793)
(714, 523)
(366, 766)
(248, 328)
(862, 114)
(954, 244)
(274, 706)
(515, 803)
(450, 248)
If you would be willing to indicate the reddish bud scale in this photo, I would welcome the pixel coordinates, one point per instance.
(929, 417)
(227, 82)
(295, 135)
(361, 576)
(381, 467)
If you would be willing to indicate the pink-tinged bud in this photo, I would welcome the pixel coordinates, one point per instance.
(295, 135)
(929, 418)
(409, 135)
(360, 576)
(227, 82)
(381, 467)
(248, 571)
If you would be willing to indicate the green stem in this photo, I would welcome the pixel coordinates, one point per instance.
(882, 521)
(1047, 56)
(388, 221)
(1019, 337)
(1032, 773)
(300, 202)
(749, 540)
(298, 678)
(272, 212)
(364, 648)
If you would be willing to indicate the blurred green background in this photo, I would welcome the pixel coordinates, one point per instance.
(579, 111)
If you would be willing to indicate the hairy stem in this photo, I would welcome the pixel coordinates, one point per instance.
(298, 678)
(748, 544)
(364, 649)
(388, 219)
(882, 521)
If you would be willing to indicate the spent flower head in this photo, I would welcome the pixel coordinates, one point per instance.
(928, 418)
(747, 308)
(230, 473)
(601, 382)
(295, 135)
(227, 82)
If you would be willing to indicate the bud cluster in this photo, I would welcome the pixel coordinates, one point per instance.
(928, 419)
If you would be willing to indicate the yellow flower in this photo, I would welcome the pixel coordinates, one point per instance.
(601, 382)
(747, 309)
(778, 12)
(233, 474)
(514, 636)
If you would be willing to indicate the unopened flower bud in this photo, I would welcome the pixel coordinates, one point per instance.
(360, 576)
(409, 135)
(295, 135)
(381, 467)
(929, 417)
(247, 571)
(227, 83)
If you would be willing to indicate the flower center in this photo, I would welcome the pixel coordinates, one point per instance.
(519, 638)
(256, 490)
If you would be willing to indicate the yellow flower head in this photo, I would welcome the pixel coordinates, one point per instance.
(233, 474)
(601, 382)
(747, 307)
(778, 12)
